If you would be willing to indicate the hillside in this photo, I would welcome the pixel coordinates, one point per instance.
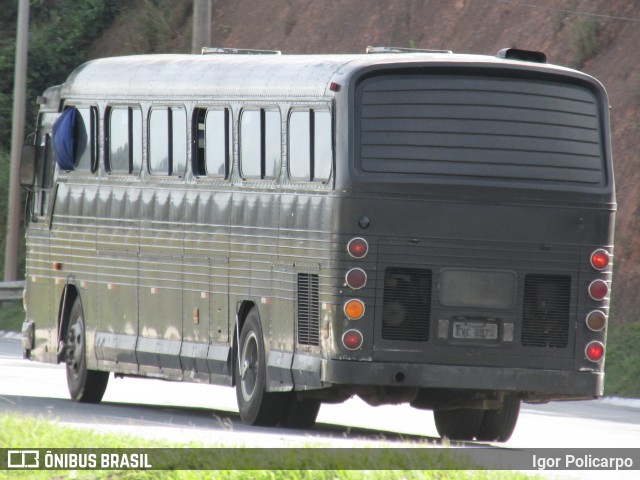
(602, 41)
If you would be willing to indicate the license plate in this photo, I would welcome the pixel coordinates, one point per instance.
(475, 330)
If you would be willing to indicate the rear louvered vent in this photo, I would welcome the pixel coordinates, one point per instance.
(308, 309)
(407, 304)
(546, 311)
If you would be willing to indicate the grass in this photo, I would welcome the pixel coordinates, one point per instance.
(584, 37)
(11, 316)
(622, 369)
(28, 432)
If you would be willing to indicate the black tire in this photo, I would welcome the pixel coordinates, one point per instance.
(300, 413)
(85, 386)
(256, 406)
(498, 425)
(459, 424)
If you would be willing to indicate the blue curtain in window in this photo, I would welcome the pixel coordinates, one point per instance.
(63, 139)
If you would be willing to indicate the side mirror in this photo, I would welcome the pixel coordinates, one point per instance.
(27, 166)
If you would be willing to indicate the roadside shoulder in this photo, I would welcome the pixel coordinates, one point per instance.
(17, 336)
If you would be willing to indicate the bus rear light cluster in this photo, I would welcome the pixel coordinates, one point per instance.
(352, 339)
(594, 351)
(356, 278)
(598, 290)
(596, 321)
(354, 309)
(358, 247)
(600, 259)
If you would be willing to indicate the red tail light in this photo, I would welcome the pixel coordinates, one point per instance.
(600, 259)
(598, 290)
(594, 351)
(356, 278)
(358, 247)
(352, 339)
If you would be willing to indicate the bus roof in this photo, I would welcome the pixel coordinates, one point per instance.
(185, 76)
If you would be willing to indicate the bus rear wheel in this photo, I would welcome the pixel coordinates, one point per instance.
(256, 406)
(85, 386)
(300, 412)
(498, 425)
(458, 424)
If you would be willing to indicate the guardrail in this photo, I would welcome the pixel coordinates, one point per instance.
(11, 291)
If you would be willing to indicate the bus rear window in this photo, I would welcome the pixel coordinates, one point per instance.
(478, 127)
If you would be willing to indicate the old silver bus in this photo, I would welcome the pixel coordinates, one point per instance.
(405, 226)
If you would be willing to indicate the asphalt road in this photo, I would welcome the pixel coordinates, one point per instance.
(207, 414)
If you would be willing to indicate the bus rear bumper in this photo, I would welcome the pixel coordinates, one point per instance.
(533, 384)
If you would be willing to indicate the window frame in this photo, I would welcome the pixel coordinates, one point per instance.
(170, 171)
(133, 167)
(92, 140)
(263, 143)
(199, 164)
(312, 153)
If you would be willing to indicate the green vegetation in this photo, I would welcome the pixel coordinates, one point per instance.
(4, 193)
(623, 361)
(11, 316)
(26, 432)
(584, 38)
(60, 31)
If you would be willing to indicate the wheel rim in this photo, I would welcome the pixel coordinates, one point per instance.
(249, 364)
(75, 347)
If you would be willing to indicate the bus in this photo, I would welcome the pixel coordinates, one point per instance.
(404, 226)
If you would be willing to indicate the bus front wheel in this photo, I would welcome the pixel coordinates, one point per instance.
(256, 406)
(85, 386)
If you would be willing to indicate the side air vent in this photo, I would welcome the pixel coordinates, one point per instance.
(407, 304)
(546, 311)
(308, 309)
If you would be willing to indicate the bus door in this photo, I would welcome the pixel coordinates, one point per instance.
(38, 212)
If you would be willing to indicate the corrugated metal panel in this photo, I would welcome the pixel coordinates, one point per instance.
(481, 127)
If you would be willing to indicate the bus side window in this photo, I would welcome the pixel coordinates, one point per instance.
(310, 152)
(322, 146)
(167, 141)
(45, 166)
(178, 119)
(86, 156)
(300, 145)
(44, 169)
(260, 143)
(212, 142)
(272, 143)
(124, 140)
